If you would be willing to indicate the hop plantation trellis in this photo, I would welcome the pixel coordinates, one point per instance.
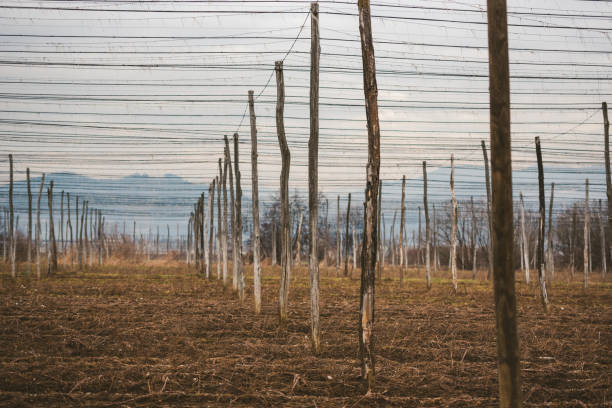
(93, 237)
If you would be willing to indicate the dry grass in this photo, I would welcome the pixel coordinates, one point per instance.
(158, 335)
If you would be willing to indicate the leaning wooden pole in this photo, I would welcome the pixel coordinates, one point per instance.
(541, 226)
(502, 241)
(366, 310)
(526, 242)
(238, 217)
(490, 223)
(550, 261)
(255, 207)
(12, 240)
(427, 229)
(313, 179)
(283, 298)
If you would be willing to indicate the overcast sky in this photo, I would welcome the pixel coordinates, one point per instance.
(111, 104)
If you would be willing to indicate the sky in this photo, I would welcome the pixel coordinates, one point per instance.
(108, 89)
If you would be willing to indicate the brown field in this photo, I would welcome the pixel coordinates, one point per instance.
(159, 335)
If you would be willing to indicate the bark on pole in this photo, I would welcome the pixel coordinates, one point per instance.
(602, 233)
(370, 234)
(381, 252)
(427, 229)
(508, 356)
(338, 246)
(313, 179)
(326, 251)
(489, 216)
(402, 223)
(473, 239)
(298, 240)
(225, 229)
(274, 242)
(283, 297)
(604, 108)
(346, 235)
(219, 223)
(29, 245)
(573, 240)
(232, 203)
(550, 261)
(5, 233)
(587, 228)
(53, 260)
(12, 240)
(541, 226)
(61, 231)
(255, 203)
(354, 249)
(69, 226)
(525, 241)
(76, 219)
(434, 240)
(238, 217)
(453, 249)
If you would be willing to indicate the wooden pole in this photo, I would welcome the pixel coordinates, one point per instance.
(436, 260)
(76, 219)
(501, 210)
(381, 251)
(255, 204)
(550, 261)
(338, 245)
(587, 230)
(228, 159)
(401, 232)
(346, 236)
(69, 226)
(224, 221)
(453, 249)
(427, 229)
(61, 231)
(473, 239)
(283, 298)
(602, 233)
(326, 251)
(219, 224)
(313, 179)
(525, 241)
(573, 240)
(542, 226)
(238, 217)
(12, 239)
(29, 244)
(53, 260)
(366, 312)
(488, 186)
(604, 108)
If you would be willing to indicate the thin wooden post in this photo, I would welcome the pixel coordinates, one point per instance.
(283, 298)
(61, 231)
(602, 233)
(224, 221)
(542, 226)
(381, 251)
(53, 260)
(604, 109)
(366, 311)
(69, 226)
(502, 240)
(427, 229)
(401, 232)
(573, 240)
(313, 179)
(436, 260)
(76, 219)
(255, 207)
(473, 239)
(346, 236)
(228, 159)
(338, 245)
(298, 240)
(453, 249)
(488, 186)
(326, 251)
(524, 241)
(550, 261)
(219, 224)
(29, 244)
(238, 218)
(587, 230)
(12, 240)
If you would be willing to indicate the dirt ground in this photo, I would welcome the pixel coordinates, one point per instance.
(159, 335)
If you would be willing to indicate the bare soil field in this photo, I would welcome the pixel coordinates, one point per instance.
(160, 335)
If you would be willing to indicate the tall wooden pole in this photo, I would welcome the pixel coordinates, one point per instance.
(338, 245)
(53, 260)
(602, 233)
(238, 217)
(228, 159)
(69, 227)
(427, 229)
(346, 235)
(453, 249)
(219, 224)
(370, 234)
(490, 221)
(12, 240)
(541, 226)
(313, 178)
(380, 242)
(29, 244)
(502, 241)
(473, 239)
(587, 230)
(224, 221)
(604, 108)
(255, 203)
(283, 298)
(401, 232)
(61, 226)
(550, 261)
(526, 242)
